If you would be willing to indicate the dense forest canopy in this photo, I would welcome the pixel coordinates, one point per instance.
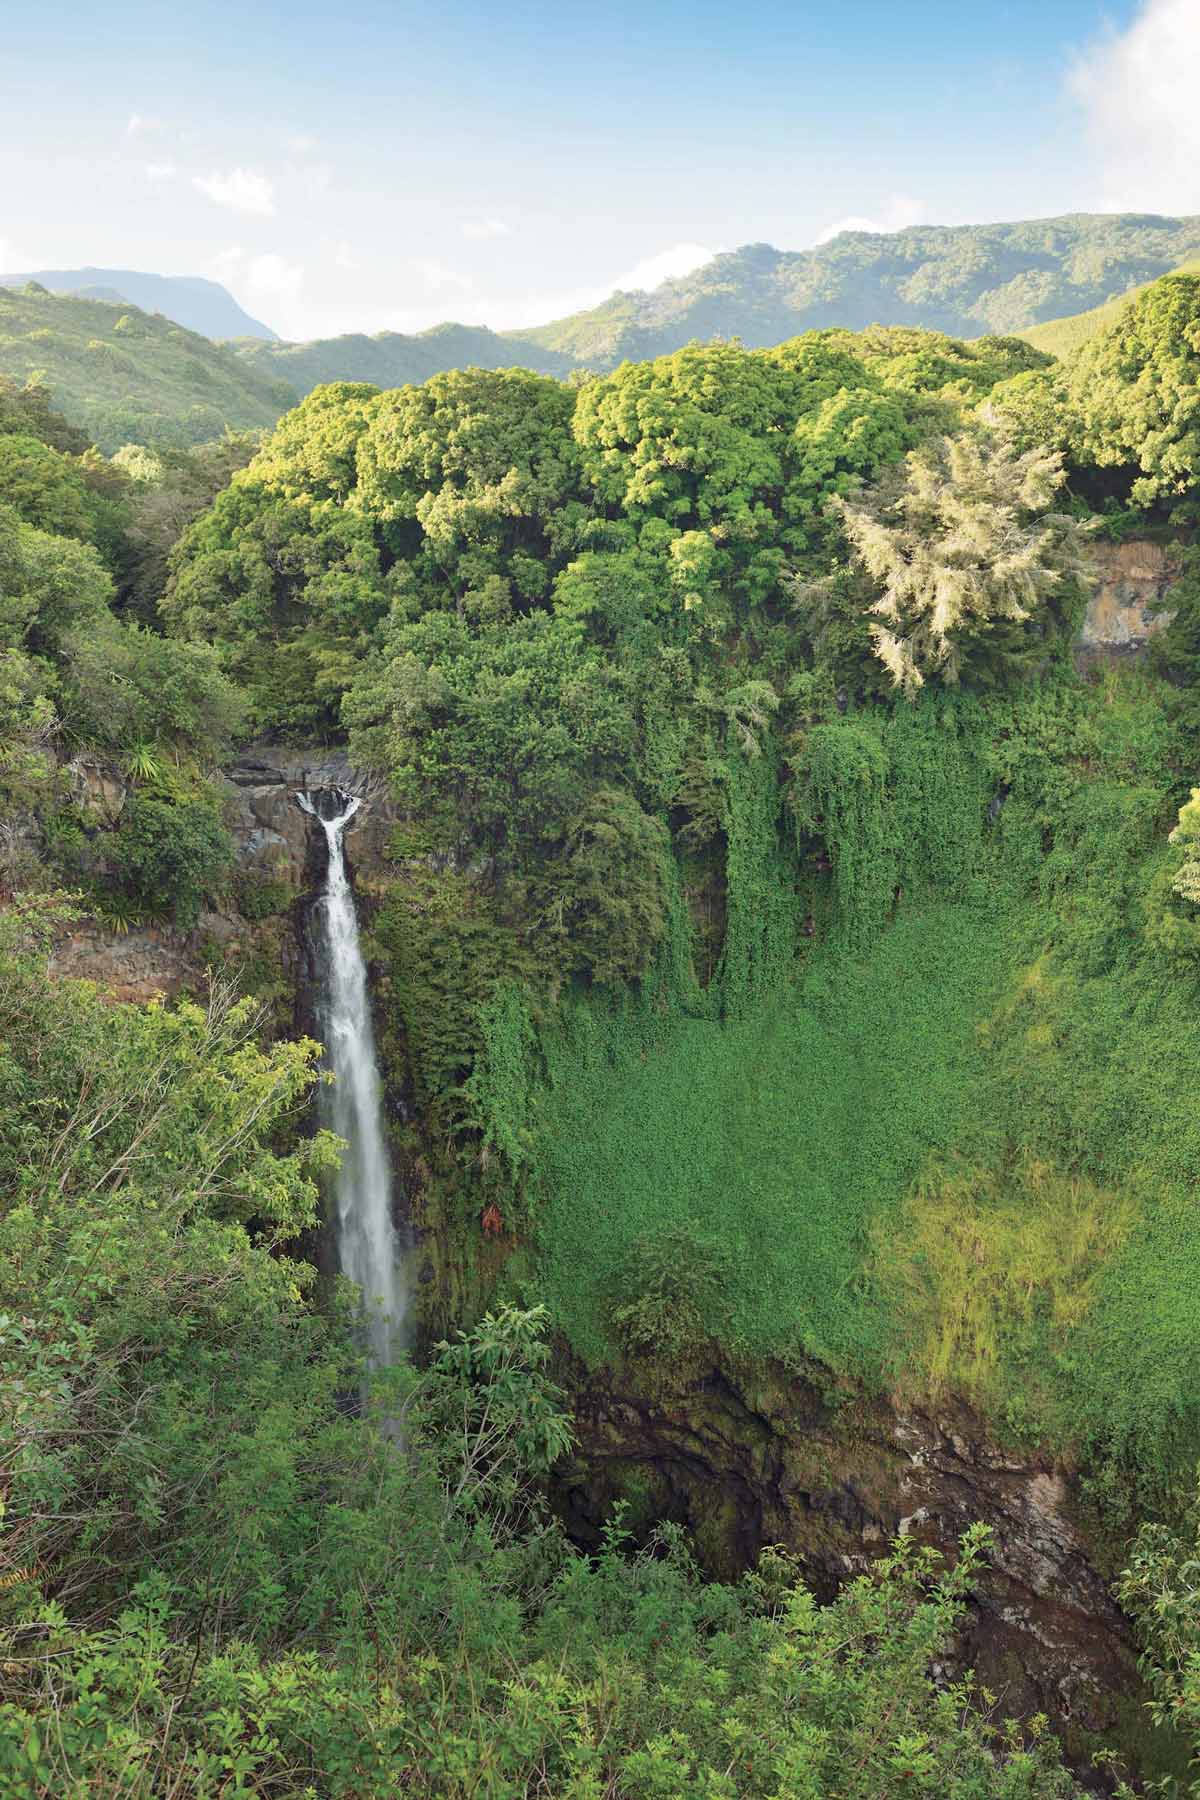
(777, 935)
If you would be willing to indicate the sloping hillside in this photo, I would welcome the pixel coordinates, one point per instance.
(393, 359)
(1059, 337)
(189, 300)
(127, 376)
(966, 280)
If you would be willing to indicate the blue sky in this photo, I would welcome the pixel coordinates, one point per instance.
(388, 166)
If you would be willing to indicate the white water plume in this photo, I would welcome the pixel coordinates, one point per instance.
(352, 1104)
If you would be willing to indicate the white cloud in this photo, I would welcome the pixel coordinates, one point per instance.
(1139, 90)
(439, 277)
(140, 123)
(160, 172)
(667, 265)
(438, 291)
(897, 213)
(447, 289)
(259, 274)
(241, 190)
(344, 258)
(13, 258)
(485, 228)
(301, 143)
(274, 275)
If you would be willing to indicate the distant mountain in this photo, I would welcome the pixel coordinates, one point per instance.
(127, 376)
(962, 279)
(190, 300)
(967, 280)
(130, 375)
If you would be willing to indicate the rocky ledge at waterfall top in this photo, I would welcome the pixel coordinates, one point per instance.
(273, 842)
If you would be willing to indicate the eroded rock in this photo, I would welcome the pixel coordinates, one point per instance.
(744, 1461)
(1131, 580)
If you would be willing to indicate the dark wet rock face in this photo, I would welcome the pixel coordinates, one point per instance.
(278, 866)
(766, 1460)
(273, 836)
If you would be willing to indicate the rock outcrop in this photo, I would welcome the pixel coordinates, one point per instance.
(275, 850)
(273, 836)
(760, 1457)
(1131, 582)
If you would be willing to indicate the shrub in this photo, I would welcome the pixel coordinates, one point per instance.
(171, 853)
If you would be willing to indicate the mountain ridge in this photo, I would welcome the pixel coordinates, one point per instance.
(966, 280)
(128, 376)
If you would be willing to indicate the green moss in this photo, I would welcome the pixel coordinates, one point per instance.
(781, 1134)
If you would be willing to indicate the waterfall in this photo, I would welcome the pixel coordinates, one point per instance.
(352, 1105)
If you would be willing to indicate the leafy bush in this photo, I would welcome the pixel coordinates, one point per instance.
(670, 1297)
(170, 853)
(125, 687)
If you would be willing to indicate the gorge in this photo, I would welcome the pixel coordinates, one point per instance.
(727, 828)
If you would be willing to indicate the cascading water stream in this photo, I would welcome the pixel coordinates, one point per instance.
(352, 1104)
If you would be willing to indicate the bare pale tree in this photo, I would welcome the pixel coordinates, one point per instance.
(961, 541)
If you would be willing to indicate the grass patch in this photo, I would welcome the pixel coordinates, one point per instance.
(780, 1138)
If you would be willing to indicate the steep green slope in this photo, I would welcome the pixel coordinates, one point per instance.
(132, 377)
(391, 359)
(189, 300)
(966, 280)
(1059, 337)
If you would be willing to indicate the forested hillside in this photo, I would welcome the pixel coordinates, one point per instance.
(191, 300)
(967, 280)
(784, 960)
(1061, 337)
(174, 388)
(126, 376)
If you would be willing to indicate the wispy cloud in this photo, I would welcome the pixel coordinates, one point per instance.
(241, 190)
(447, 288)
(141, 124)
(159, 173)
(666, 265)
(439, 277)
(1139, 89)
(301, 143)
(897, 213)
(318, 180)
(485, 228)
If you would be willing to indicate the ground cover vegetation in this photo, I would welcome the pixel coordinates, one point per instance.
(780, 942)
